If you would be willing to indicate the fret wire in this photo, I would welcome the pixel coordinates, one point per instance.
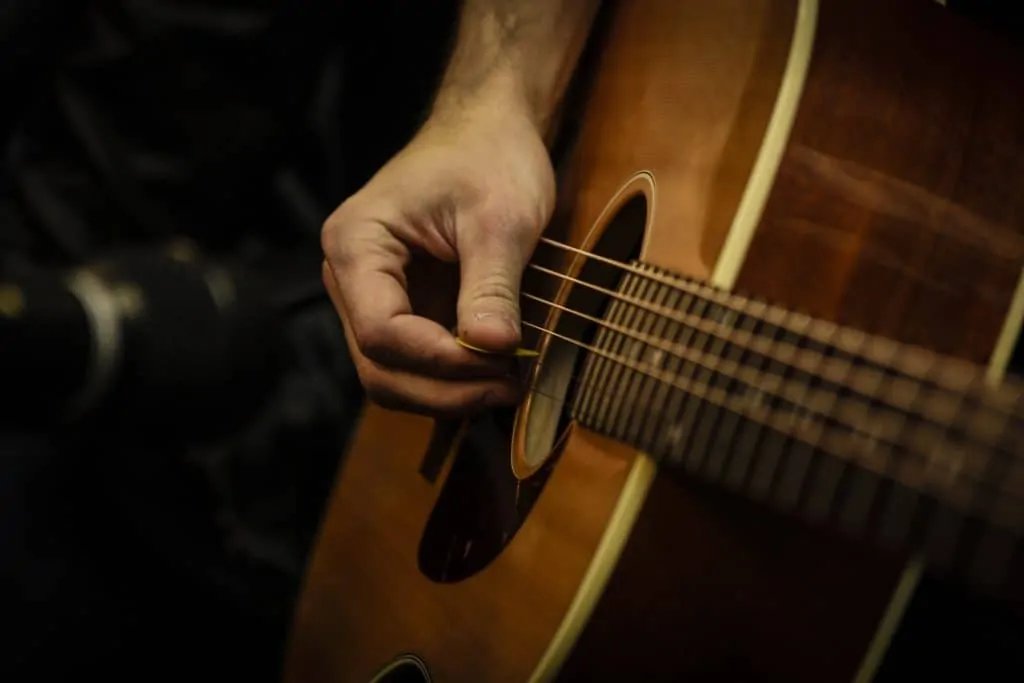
(640, 382)
(859, 407)
(1008, 524)
(898, 498)
(844, 370)
(919, 498)
(739, 467)
(593, 364)
(798, 454)
(633, 381)
(616, 344)
(831, 442)
(654, 392)
(886, 422)
(864, 382)
(861, 486)
(671, 435)
(626, 344)
(885, 427)
(901, 402)
(677, 397)
(938, 438)
(604, 338)
(959, 374)
(602, 406)
(599, 407)
(715, 438)
(884, 352)
(690, 405)
(771, 460)
(829, 474)
(618, 376)
(916, 463)
(706, 415)
(809, 431)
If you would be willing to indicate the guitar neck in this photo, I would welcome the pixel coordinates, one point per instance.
(882, 440)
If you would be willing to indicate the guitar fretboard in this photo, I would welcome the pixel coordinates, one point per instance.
(879, 439)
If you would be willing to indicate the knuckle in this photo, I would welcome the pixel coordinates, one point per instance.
(435, 356)
(334, 240)
(377, 387)
(326, 277)
(508, 222)
(373, 341)
(328, 241)
(329, 233)
(499, 218)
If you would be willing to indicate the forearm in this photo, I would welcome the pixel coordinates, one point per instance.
(516, 54)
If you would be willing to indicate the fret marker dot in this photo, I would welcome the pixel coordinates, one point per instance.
(655, 357)
(673, 435)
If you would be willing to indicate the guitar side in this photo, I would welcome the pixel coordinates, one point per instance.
(599, 566)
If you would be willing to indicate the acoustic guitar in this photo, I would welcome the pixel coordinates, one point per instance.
(774, 311)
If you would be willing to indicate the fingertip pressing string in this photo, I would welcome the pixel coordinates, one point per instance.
(518, 353)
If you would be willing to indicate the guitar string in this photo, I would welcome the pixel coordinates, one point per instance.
(866, 382)
(776, 388)
(776, 383)
(922, 472)
(834, 370)
(778, 317)
(954, 374)
(897, 396)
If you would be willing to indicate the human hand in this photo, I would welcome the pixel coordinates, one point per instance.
(467, 197)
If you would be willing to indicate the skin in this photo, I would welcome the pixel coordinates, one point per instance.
(435, 244)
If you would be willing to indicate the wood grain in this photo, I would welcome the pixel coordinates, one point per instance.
(898, 208)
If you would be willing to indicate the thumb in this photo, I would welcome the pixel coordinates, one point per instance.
(491, 268)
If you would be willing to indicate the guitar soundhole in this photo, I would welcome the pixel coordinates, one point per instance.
(483, 503)
(404, 669)
(547, 412)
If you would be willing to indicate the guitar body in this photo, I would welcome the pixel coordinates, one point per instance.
(859, 161)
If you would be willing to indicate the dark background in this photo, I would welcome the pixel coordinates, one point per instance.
(239, 124)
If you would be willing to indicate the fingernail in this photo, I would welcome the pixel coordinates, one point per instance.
(512, 323)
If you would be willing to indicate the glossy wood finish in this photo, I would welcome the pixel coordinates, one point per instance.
(900, 203)
(357, 615)
(898, 208)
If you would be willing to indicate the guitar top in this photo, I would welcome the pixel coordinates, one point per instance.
(773, 315)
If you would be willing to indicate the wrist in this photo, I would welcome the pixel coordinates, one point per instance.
(501, 95)
(515, 58)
